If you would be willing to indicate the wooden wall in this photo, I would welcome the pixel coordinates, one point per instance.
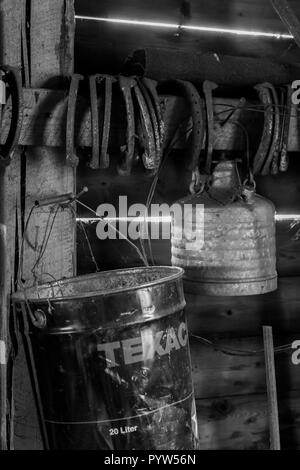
(230, 389)
(102, 47)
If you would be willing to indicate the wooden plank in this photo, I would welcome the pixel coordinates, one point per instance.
(217, 373)
(51, 44)
(52, 36)
(271, 389)
(241, 423)
(10, 53)
(242, 316)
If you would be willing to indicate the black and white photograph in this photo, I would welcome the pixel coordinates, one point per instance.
(149, 228)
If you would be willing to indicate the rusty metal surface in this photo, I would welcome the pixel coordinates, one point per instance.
(273, 150)
(284, 159)
(12, 80)
(126, 84)
(108, 83)
(94, 163)
(149, 155)
(208, 88)
(151, 85)
(154, 120)
(71, 157)
(100, 160)
(238, 256)
(263, 149)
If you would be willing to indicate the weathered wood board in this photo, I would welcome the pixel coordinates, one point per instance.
(51, 58)
(241, 422)
(239, 369)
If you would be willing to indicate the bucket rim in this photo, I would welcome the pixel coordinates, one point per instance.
(27, 294)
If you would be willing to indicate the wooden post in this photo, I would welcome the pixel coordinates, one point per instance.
(10, 54)
(271, 389)
(52, 26)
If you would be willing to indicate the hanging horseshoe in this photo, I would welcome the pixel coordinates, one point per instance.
(12, 78)
(126, 84)
(149, 155)
(95, 161)
(273, 154)
(154, 121)
(102, 161)
(208, 88)
(71, 157)
(262, 151)
(151, 85)
(284, 159)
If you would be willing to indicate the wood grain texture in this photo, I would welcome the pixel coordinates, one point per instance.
(217, 373)
(241, 423)
(10, 54)
(242, 316)
(52, 41)
(51, 46)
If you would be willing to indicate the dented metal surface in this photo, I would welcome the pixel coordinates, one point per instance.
(234, 252)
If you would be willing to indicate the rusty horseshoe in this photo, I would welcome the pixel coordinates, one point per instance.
(208, 88)
(262, 151)
(126, 84)
(71, 157)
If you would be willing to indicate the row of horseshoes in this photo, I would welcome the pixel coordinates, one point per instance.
(145, 127)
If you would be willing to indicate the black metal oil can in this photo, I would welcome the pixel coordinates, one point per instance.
(111, 358)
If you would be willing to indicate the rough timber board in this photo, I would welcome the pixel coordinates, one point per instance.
(52, 36)
(46, 174)
(9, 54)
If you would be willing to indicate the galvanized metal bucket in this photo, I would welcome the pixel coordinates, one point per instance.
(111, 356)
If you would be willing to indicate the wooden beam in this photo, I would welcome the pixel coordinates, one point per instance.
(271, 388)
(10, 53)
(51, 59)
(45, 122)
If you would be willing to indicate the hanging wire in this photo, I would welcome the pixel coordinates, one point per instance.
(239, 352)
(154, 183)
(144, 260)
(255, 108)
